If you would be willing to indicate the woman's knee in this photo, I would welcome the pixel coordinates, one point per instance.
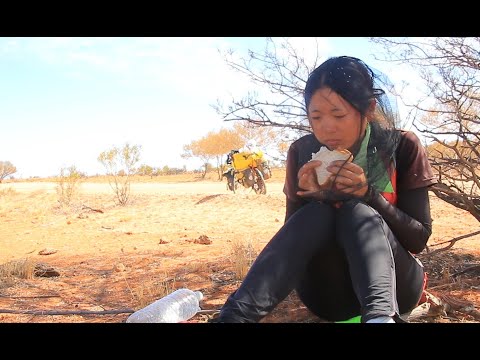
(353, 213)
(310, 214)
(358, 222)
(354, 206)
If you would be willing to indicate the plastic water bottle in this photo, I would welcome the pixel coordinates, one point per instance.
(180, 305)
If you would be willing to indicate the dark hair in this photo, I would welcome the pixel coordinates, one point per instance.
(349, 77)
(358, 84)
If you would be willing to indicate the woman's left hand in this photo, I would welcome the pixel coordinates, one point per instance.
(349, 178)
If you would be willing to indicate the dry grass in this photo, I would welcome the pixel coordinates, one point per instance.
(128, 257)
(195, 267)
(278, 174)
(144, 294)
(23, 269)
(7, 192)
(243, 254)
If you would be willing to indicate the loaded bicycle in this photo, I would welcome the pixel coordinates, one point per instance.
(247, 169)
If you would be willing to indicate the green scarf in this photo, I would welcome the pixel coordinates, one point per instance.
(381, 181)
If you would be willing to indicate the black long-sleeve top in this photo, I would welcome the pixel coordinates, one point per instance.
(410, 219)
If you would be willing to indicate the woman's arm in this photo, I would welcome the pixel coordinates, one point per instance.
(291, 208)
(293, 201)
(411, 221)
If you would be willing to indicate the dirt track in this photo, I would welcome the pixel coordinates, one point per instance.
(209, 188)
(193, 234)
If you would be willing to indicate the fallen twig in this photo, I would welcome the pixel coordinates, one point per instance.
(30, 297)
(89, 208)
(451, 242)
(470, 268)
(471, 311)
(461, 306)
(208, 311)
(61, 312)
(455, 284)
(433, 307)
(83, 312)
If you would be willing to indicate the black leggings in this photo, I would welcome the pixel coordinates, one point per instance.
(343, 262)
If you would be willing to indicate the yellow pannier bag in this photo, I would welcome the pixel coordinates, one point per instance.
(244, 160)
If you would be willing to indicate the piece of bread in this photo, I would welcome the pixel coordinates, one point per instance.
(326, 157)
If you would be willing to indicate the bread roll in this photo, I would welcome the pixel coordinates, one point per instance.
(326, 157)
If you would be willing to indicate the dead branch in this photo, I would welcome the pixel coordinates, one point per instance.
(91, 209)
(460, 305)
(65, 312)
(451, 242)
(472, 312)
(470, 268)
(455, 284)
(214, 311)
(440, 305)
(82, 312)
(433, 307)
(30, 297)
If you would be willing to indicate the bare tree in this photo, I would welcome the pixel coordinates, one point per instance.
(6, 169)
(68, 182)
(449, 70)
(281, 72)
(120, 164)
(448, 115)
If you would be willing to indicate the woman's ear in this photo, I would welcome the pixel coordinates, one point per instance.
(371, 108)
(369, 115)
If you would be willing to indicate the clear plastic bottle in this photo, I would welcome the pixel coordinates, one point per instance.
(180, 305)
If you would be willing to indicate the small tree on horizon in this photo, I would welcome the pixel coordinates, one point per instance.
(120, 163)
(213, 146)
(67, 184)
(6, 169)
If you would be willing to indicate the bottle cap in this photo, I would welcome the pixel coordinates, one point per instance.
(199, 295)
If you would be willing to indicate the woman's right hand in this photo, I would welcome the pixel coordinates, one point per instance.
(307, 177)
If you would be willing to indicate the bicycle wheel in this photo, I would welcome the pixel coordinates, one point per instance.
(231, 183)
(229, 174)
(234, 182)
(259, 185)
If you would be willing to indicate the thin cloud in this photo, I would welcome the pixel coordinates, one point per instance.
(68, 94)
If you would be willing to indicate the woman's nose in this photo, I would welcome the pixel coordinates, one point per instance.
(329, 126)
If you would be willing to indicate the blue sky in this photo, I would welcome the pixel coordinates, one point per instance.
(65, 100)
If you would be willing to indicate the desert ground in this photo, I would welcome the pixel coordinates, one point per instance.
(94, 261)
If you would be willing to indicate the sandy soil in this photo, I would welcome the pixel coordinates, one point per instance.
(174, 233)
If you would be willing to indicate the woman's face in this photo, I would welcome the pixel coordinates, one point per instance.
(334, 121)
